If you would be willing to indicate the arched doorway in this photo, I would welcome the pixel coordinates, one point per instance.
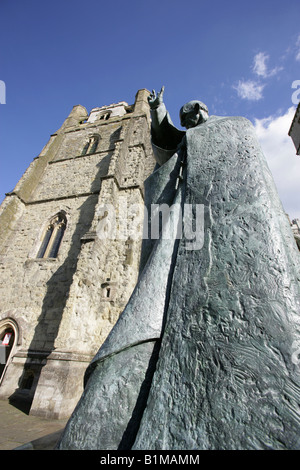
(8, 340)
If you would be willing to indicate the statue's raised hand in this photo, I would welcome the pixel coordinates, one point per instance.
(155, 100)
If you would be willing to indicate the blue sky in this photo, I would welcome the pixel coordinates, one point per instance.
(239, 57)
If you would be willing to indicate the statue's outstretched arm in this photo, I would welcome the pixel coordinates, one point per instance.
(157, 107)
(164, 134)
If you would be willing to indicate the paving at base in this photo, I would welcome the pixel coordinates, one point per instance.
(20, 431)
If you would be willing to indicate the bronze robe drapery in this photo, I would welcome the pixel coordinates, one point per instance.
(203, 355)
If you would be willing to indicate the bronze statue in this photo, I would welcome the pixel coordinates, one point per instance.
(203, 356)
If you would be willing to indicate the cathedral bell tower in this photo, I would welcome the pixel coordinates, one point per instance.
(69, 252)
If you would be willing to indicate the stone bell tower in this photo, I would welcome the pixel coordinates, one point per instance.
(68, 263)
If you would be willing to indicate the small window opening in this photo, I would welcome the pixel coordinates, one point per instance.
(105, 116)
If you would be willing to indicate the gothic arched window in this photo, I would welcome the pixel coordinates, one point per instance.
(9, 338)
(91, 146)
(52, 237)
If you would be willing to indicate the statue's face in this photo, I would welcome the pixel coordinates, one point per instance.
(193, 113)
(190, 118)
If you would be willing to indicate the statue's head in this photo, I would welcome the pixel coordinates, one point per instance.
(193, 113)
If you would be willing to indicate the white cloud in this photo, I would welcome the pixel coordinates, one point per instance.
(249, 90)
(253, 89)
(260, 67)
(272, 133)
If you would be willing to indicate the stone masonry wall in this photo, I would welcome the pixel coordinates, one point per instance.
(38, 286)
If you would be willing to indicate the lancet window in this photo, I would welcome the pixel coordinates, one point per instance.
(52, 237)
(91, 145)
